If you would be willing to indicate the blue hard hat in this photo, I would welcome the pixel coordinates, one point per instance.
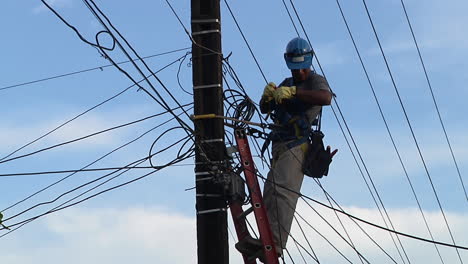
(298, 54)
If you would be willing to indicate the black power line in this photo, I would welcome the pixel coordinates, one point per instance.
(86, 111)
(88, 136)
(356, 147)
(434, 99)
(245, 40)
(411, 128)
(86, 166)
(387, 126)
(367, 222)
(85, 70)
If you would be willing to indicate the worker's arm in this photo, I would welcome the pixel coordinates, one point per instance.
(314, 97)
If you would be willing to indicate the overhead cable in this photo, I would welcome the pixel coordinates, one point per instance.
(411, 128)
(85, 112)
(357, 149)
(85, 70)
(87, 136)
(434, 99)
(388, 128)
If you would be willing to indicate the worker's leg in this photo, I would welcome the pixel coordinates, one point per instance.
(281, 203)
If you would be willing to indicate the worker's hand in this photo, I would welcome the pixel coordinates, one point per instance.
(284, 92)
(268, 92)
(332, 153)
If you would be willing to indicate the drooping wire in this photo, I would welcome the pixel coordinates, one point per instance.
(178, 78)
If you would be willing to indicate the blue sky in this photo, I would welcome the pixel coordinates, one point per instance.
(140, 220)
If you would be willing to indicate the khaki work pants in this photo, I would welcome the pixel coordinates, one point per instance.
(280, 203)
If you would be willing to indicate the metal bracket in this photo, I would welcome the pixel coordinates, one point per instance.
(212, 140)
(202, 21)
(217, 85)
(211, 211)
(208, 195)
(204, 173)
(205, 179)
(206, 32)
(231, 150)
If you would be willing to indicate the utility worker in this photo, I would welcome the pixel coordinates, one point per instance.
(294, 104)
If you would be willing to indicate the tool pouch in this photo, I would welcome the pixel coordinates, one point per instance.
(317, 159)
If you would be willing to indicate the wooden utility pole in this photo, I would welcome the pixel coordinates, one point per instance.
(212, 236)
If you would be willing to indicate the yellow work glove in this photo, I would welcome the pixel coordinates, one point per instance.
(267, 95)
(284, 92)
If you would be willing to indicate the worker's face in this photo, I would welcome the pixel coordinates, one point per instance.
(300, 75)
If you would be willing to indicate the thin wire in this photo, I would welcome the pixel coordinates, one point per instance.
(85, 112)
(387, 127)
(322, 187)
(84, 70)
(137, 162)
(307, 240)
(434, 99)
(84, 170)
(357, 149)
(161, 101)
(370, 223)
(58, 208)
(246, 42)
(290, 18)
(178, 78)
(86, 166)
(339, 219)
(411, 128)
(85, 137)
(188, 33)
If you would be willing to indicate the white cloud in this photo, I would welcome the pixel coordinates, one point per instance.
(330, 54)
(136, 235)
(13, 135)
(157, 235)
(405, 220)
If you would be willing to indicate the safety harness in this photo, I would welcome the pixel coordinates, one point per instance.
(296, 129)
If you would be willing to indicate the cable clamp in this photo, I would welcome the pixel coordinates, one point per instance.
(231, 150)
(211, 211)
(205, 32)
(217, 85)
(203, 21)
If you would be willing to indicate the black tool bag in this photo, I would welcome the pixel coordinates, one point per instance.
(317, 159)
